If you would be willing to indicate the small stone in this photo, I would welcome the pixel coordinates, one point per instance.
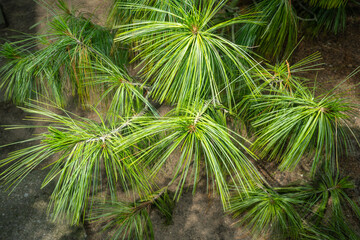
(26, 195)
(350, 65)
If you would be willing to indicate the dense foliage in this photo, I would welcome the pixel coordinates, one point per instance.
(209, 66)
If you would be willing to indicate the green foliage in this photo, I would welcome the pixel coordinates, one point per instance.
(270, 212)
(281, 76)
(124, 95)
(311, 211)
(122, 13)
(329, 20)
(84, 150)
(327, 195)
(278, 35)
(125, 149)
(206, 144)
(328, 3)
(284, 76)
(61, 65)
(21, 80)
(132, 220)
(184, 57)
(292, 124)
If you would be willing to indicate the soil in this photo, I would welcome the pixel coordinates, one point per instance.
(195, 217)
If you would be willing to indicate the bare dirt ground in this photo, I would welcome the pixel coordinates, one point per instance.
(23, 213)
